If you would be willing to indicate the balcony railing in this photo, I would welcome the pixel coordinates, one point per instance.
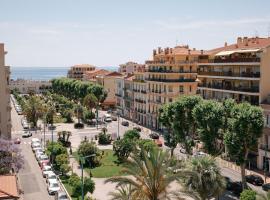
(139, 80)
(152, 62)
(140, 111)
(243, 74)
(140, 100)
(118, 95)
(170, 71)
(241, 89)
(170, 80)
(233, 60)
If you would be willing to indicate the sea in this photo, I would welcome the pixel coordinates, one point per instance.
(44, 73)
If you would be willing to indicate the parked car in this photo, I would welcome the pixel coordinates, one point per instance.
(154, 136)
(46, 170)
(43, 159)
(114, 118)
(35, 140)
(255, 179)
(51, 176)
(266, 187)
(38, 154)
(53, 187)
(108, 119)
(25, 125)
(26, 134)
(158, 142)
(234, 186)
(137, 128)
(125, 123)
(17, 141)
(61, 196)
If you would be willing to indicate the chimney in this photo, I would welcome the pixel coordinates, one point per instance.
(245, 41)
(239, 41)
(154, 52)
(225, 44)
(201, 52)
(159, 50)
(194, 49)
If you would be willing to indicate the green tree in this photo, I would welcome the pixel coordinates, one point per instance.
(132, 134)
(248, 195)
(78, 110)
(148, 175)
(90, 101)
(208, 115)
(62, 163)
(67, 114)
(124, 192)
(246, 128)
(122, 148)
(103, 137)
(202, 178)
(87, 148)
(54, 149)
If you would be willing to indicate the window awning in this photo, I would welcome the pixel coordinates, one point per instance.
(226, 53)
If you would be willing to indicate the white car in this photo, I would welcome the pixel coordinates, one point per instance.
(42, 157)
(36, 146)
(26, 134)
(108, 119)
(35, 140)
(53, 186)
(61, 196)
(51, 176)
(46, 170)
(38, 154)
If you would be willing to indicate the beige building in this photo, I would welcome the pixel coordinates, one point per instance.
(239, 71)
(91, 75)
(171, 73)
(131, 68)
(26, 86)
(108, 81)
(78, 71)
(5, 108)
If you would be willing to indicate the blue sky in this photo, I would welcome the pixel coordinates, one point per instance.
(60, 33)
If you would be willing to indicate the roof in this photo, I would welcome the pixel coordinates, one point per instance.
(113, 74)
(129, 78)
(226, 53)
(8, 187)
(243, 44)
(83, 65)
(97, 72)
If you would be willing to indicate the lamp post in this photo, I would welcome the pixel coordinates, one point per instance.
(118, 119)
(265, 154)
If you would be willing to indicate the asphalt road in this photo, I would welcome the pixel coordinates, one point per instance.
(30, 178)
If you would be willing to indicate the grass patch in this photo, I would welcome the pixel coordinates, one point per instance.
(109, 166)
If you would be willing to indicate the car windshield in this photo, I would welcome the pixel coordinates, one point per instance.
(55, 185)
(43, 157)
(63, 196)
(47, 168)
(52, 177)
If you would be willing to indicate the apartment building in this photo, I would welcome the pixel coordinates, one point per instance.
(91, 75)
(171, 73)
(131, 67)
(108, 81)
(78, 71)
(5, 108)
(26, 86)
(239, 71)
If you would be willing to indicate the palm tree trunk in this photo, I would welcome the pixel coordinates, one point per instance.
(172, 150)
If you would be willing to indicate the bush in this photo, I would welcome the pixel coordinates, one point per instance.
(67, 114)
(62, 163)
(88, 116)
(78, 125)
(88, 148)
(132, 134)
(248, 195)
(123, 148)
(75, 182)
(55, 149)
(104, 139)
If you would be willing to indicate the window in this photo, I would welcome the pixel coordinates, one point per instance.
(268, 120)
(170, 89)
(181, 88)
(170, 99)
(190, 88)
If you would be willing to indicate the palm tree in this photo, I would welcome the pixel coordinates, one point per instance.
(33, 109)
(123, 192)
(203, 179)
(90, 101)
(148, 175)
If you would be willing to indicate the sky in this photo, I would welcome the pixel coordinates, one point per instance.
(61, 33)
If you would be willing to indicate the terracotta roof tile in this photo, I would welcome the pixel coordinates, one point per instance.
(8, 186)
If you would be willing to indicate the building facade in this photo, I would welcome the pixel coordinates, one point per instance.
(78, 71)
(239, 71)
(5, 108)
(131, 68)
(26, 86)
(91, 75)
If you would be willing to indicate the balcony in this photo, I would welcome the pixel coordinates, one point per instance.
(140, 111)
(240, 89)
(170, 71)
(118, 95)
(243, 74)
(140, 101)
(233, 60)
(156, 91)
(170, 80)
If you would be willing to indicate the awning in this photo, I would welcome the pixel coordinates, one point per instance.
(225, 53)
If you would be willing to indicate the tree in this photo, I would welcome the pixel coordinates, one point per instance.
(124, 192)
(10, 157)
(103, 137)
(62, 163)
(87, 148)
(208, 115)
(203, 179)
(63, 137)
(248, 195)
(50, 112)
(76, 183)
(54, 149)
(122, 148)
(33, 109)
(67, 114)
(90, 101)
(78, 110)
(246, 128)
(148, 175)
(132, 134)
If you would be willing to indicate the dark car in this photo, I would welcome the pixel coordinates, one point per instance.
(255, 179)
(137, 128)
(235, 187)
(125, 123)
(266, 187)
(114, 118)
(154, 136)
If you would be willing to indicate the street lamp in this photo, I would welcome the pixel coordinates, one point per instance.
(97, 113)
(118, 119)
(265, 154)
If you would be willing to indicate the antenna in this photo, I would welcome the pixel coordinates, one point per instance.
(256, 34)
(176, 42)
(268, 30)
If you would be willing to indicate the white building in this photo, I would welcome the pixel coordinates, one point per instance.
(26, 86)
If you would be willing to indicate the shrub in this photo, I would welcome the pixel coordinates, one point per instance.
(88, 115)
(55, 149)
(248, 195)
(88, 148)
(104, 138)
(62, 163)
(75, 182)
(67, 114)
(78, 125)
(132, 134)
(123, 148)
